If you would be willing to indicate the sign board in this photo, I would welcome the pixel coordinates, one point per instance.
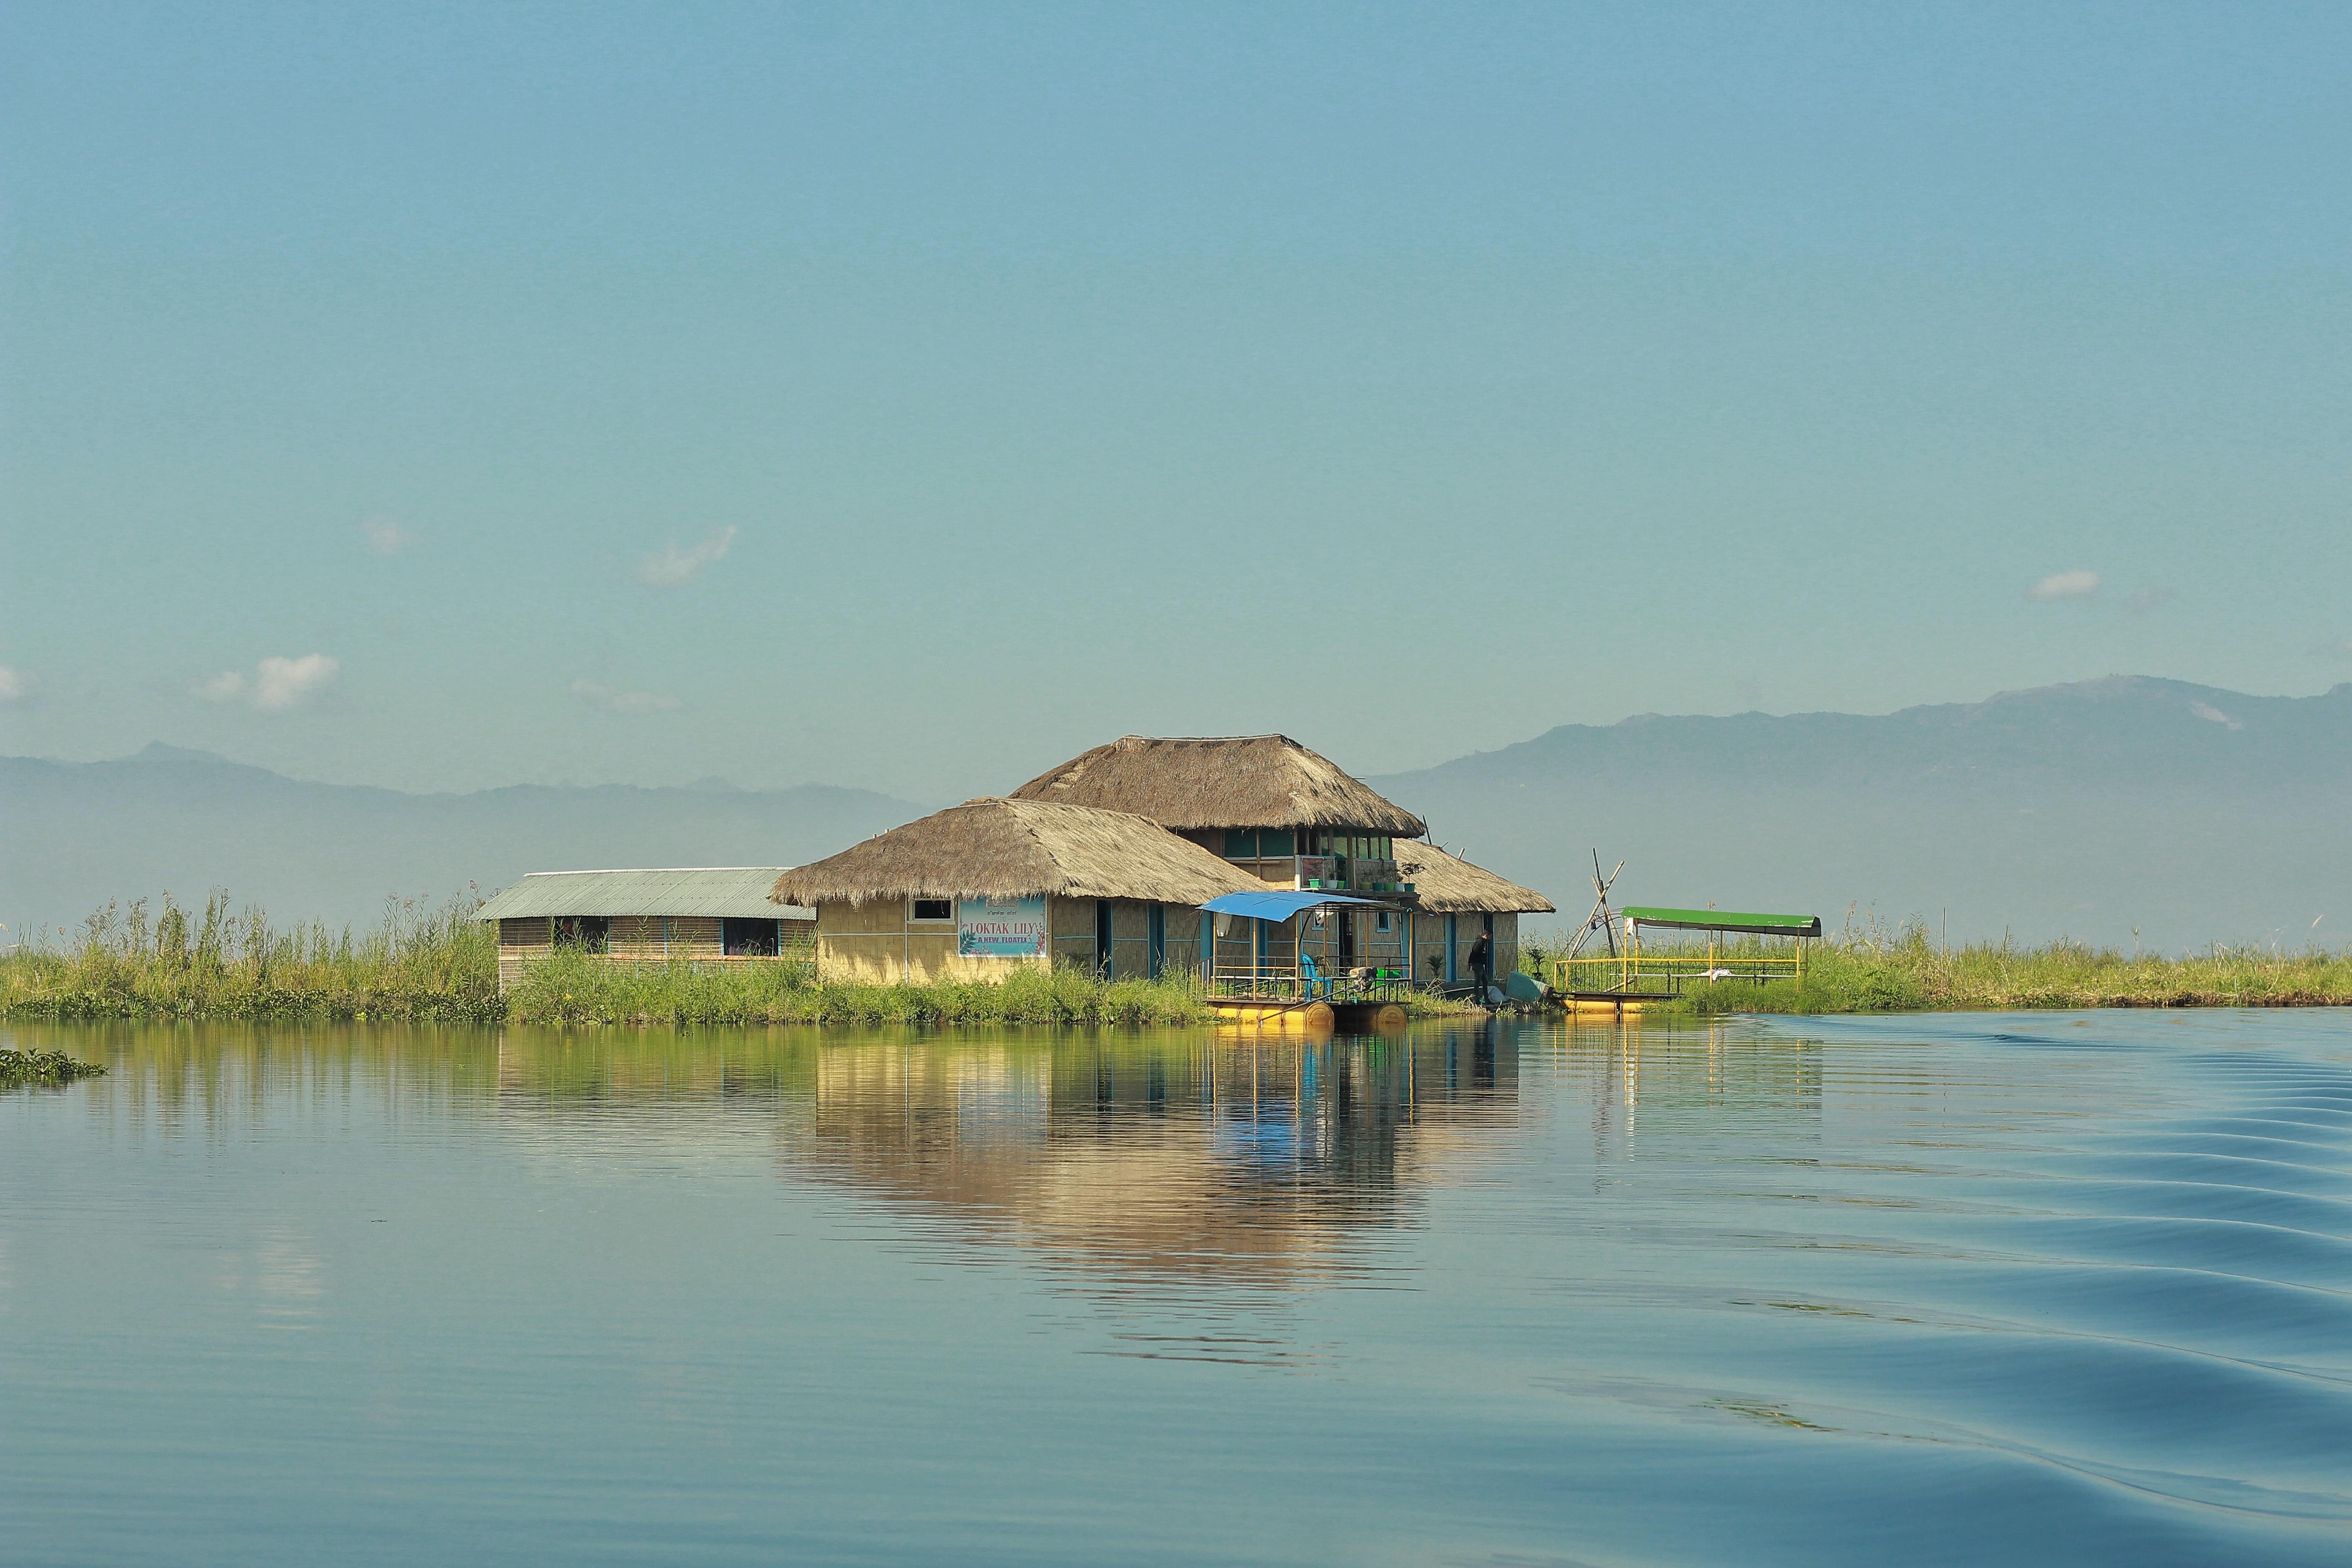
(1000, 928)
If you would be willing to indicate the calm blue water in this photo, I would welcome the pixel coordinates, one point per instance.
(2017, 1288)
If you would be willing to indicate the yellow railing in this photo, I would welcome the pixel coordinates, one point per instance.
(1648, 974)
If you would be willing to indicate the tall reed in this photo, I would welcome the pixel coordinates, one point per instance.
(423, 961)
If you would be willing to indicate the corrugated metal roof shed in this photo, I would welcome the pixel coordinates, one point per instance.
(737, 891)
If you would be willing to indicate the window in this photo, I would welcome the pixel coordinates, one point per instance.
(933, 910)
(1381, 921)
(1241, 843)
(589, 933)
(1273, 842)
(747, 938)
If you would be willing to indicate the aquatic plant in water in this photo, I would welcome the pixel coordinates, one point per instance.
(43, 1070)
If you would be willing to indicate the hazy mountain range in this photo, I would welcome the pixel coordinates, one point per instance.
(2194, 813)
(79, 834)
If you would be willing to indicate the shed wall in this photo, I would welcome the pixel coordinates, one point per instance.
(639, 939)
(519, 941)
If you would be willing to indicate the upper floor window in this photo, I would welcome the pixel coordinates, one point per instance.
(1260, 843)
(1356, 845)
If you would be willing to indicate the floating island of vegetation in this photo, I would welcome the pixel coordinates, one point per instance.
(43, 1070)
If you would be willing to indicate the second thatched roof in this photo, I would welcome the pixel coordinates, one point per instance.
(1446, 884)
(1017, 849)
(1245, 781)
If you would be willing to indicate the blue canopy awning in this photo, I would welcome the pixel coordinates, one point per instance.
(1278, 904)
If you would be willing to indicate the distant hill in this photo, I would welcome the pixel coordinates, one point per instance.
(2195, 814)
(79, 834)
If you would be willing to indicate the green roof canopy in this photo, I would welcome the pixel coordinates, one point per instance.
(1725, 920)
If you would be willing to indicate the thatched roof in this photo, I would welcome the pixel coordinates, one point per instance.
(1248, 781)
(1014, 849)
(1445, 884)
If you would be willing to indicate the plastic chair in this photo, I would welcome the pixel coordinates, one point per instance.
(1315, 983)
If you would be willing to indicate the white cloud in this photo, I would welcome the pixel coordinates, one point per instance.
(275, 683)
(385, 536)
(2212, 715)
(672, 566)
(283, 682)
(2065, 586)
(606, 699)
(16, 685)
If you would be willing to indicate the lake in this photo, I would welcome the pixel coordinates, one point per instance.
(2050, 1287)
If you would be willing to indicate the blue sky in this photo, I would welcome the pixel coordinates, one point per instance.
(445, 396)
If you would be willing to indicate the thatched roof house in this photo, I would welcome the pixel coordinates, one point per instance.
(968, 892)
(1444, 884)
(1247, 781)
(1014, 849)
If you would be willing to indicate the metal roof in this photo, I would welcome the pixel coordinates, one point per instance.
(737, 891)
(1721, 920)
(1278, 904)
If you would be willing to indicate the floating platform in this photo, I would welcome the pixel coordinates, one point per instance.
(1308, 1017)
(1612, 1003)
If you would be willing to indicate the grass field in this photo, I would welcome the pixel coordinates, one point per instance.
(1873, 969)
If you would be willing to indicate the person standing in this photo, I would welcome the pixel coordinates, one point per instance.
(1482, 963)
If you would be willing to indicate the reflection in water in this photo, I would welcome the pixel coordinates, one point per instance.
(1161, 1173)
(1158, 1173)
(1649, 1077)
(1146, 1164)
(2058, 1289)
